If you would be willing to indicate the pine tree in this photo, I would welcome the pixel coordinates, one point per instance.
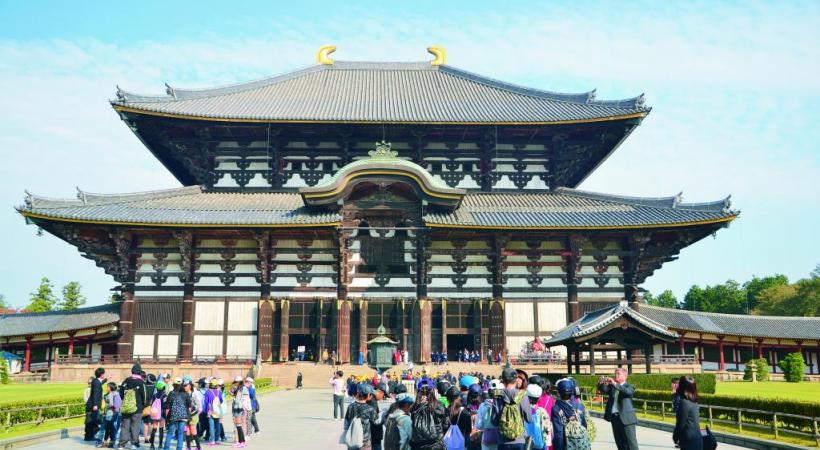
(72, 298)
(43, 298)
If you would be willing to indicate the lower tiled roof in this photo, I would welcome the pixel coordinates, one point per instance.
(735, 324)
(560, 209)
(593, 321)
(58, 321)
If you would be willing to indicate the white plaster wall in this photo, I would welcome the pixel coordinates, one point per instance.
(517, 343)
(209, 316)
(518, 316)
(551, 316)
(143, 345)
(207, 345)
(241, 346)
(242, 316)
(167, 345)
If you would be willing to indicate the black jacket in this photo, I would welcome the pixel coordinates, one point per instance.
(138, 385)
(441, 420)
(561, 413)
(366, 414)
(687, 424)
(95, 399)
(625, 409)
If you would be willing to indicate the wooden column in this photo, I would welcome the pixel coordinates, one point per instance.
(363, 329)
(572, 256)
(629, 362)
(186, 344)
(27, 361)
(71, 343)
(425, 329)
(721, 361)
(497, 325)
(760, 348)
(343, 331)
(577, 361)
(264, 339)
(126, 326)
(648, 358)
(444, 326)
(682, 345)
(569, 359)
(592, 360)
(284, 329)
(478, 332)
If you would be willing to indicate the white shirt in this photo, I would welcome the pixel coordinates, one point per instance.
(338, 386)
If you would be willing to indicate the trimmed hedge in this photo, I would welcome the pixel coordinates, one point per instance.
(656, 381)
(801, 408)
(262, 382)
(50, 411)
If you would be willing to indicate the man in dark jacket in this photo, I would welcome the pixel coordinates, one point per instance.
(93, 405)
(619, 410)
(130, 424)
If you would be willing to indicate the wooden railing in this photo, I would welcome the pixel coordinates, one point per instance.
(160, 359)
(36, 415)
(546, 358)
(731, 416)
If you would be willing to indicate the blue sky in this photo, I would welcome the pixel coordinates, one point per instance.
(734, 86)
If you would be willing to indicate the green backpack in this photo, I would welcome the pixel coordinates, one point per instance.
(129, 402)
(511, 424)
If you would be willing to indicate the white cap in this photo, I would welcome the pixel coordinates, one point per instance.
(220, 381)
(249, 380)
(496, 384)
(237, 379)
(534, 391)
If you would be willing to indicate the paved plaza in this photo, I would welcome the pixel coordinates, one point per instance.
(302, 420)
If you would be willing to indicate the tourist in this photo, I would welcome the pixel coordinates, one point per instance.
(251, 388)
(238, 411)
(360, 359)
(429, 418)
(490, 356)
(399, 427)
(178, 413)
(568, 413)
(213, 407)
(111, 418)
(195, 410)
(157, 406)
(363, 412)
(202, 426)
(540, 429)
(406, 357)
(338, 394)
(619, 410)
(508, 438)
(132, 392)
(442, 386)
(299, 380)
(458, 433)
(687, 417)
(380, 403)
(675, 396)
(225, 410)
(93, 404)
(484, 416)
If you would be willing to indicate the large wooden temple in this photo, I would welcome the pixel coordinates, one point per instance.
(324, 203)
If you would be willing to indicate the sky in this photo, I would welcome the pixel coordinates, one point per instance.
(734, 87)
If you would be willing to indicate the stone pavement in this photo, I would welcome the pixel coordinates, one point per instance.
(296, 420)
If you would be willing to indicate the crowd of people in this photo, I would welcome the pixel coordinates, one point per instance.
(470, 411)
(156, 409)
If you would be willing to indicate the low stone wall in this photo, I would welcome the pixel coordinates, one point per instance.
(79, 373)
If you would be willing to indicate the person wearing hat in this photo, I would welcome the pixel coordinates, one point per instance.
(483, 420)
(177, 415)
(213, 408)
(540, 429)
(563, 411)
(399, 426)
(430, 416)
(251, 388)
(379, 401)
(361, 410)
(239, 407)
(512, 396)
(132, 392)
(202, 389)
(157, 406)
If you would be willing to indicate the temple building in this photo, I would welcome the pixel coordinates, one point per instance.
(322, 204)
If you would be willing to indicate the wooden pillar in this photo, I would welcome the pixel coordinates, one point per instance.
(571, 258)
(760, 348)
(648, 358)
(721, 360)
(497, 342)
(264, 340)
(444, 326)
(284, 329)
(736, 356)
(425, 328)
(592, 360)
(71, 343)
(629, 362)
(343, 330)
(478, 331)
(186, 341)
(126, 326)
(577, 358)
(363, 329)
(27, 361)
(569, 360)
(682, 345)
(620, 364)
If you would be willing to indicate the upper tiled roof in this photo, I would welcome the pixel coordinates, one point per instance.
(58, 321)
(593, 321)
(735, 324)
(561, 209)
(379, 92)
(571, 208)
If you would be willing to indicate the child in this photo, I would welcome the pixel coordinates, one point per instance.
(157, 406)
(113, 404)
(540, 429)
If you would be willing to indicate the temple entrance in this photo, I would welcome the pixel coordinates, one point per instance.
(301, 347)
(457, 343)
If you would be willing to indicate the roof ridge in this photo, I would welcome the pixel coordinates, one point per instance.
(671, 202)
(88, 198)
(715, 314)
(87, 310)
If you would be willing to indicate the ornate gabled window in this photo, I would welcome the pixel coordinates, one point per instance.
(383, 255)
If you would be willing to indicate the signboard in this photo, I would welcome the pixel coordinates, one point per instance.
(300, 349)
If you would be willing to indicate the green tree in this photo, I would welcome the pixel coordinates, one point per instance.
(72, 297)
(3, 303)
(665, 299)
(757, 285)
(115, 298)
(729, 297)
(793, 367)
(43, 298)
(816, 272)
(798, 299)
(4, 372)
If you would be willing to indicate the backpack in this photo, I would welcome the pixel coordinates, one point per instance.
(454, 439)
(353, 435)
(546, 425)
(156, 409)
(216, 408)
(129, 402)
(534, 430)
(424, 427)
(511, 424)
(179, 410)
(574, 433)
(392, 438)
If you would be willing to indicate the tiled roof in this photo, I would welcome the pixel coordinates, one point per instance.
(735, 324)
(593, 321)
(563, 209)
(58, 321)
(382, 92)
(571, 208)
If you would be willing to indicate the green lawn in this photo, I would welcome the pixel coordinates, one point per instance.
(17, 392)
(771, 389)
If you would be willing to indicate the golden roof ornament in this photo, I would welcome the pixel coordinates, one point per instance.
(439, 53)
(322, 56)
(382, 151)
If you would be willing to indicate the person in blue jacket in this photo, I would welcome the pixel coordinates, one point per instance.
(563, 409)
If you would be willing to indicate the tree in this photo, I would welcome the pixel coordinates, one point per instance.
(4, 371)
(728, 297)
(115, 298)
(798, 299)
(3, 303)
(793, 367)
(757, 285)
(72, 297)
(816, 272)
(666, 299)
(43, 298)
